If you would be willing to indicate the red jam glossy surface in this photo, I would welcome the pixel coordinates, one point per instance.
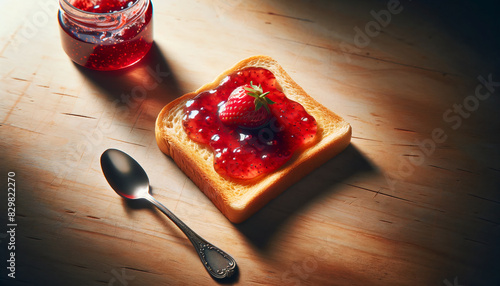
(248, 153)
(107, 50)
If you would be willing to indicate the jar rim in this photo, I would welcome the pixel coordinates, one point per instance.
(103, 21)
(95, 13)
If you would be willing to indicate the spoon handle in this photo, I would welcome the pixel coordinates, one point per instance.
(217, 262)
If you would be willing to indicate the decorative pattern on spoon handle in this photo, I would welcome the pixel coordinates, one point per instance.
(217, 262)
(227, 269)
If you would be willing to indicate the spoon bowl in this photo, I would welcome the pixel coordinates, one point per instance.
(130, 181)
(124, 175)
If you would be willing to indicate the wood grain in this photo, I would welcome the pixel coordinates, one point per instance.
(413, 201)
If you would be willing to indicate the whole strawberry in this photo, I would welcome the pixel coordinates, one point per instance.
(243, 108)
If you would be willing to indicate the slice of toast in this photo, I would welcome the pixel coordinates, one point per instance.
(238, 200)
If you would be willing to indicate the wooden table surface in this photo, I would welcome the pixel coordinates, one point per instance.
(414, 200)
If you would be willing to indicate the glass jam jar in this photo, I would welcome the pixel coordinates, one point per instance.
(106, 34)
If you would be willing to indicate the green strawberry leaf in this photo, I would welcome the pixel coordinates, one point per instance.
(258, 104)
(264, 94)
(269, 101)
(260, 96)
(267, 108)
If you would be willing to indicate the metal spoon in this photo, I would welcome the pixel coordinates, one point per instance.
(130, 181)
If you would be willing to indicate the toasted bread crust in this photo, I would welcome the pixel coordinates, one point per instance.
(238, 200)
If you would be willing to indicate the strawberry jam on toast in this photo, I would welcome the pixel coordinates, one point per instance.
(194, 144)
(249, 123)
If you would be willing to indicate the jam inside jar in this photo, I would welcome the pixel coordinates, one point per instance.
(106, 34)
